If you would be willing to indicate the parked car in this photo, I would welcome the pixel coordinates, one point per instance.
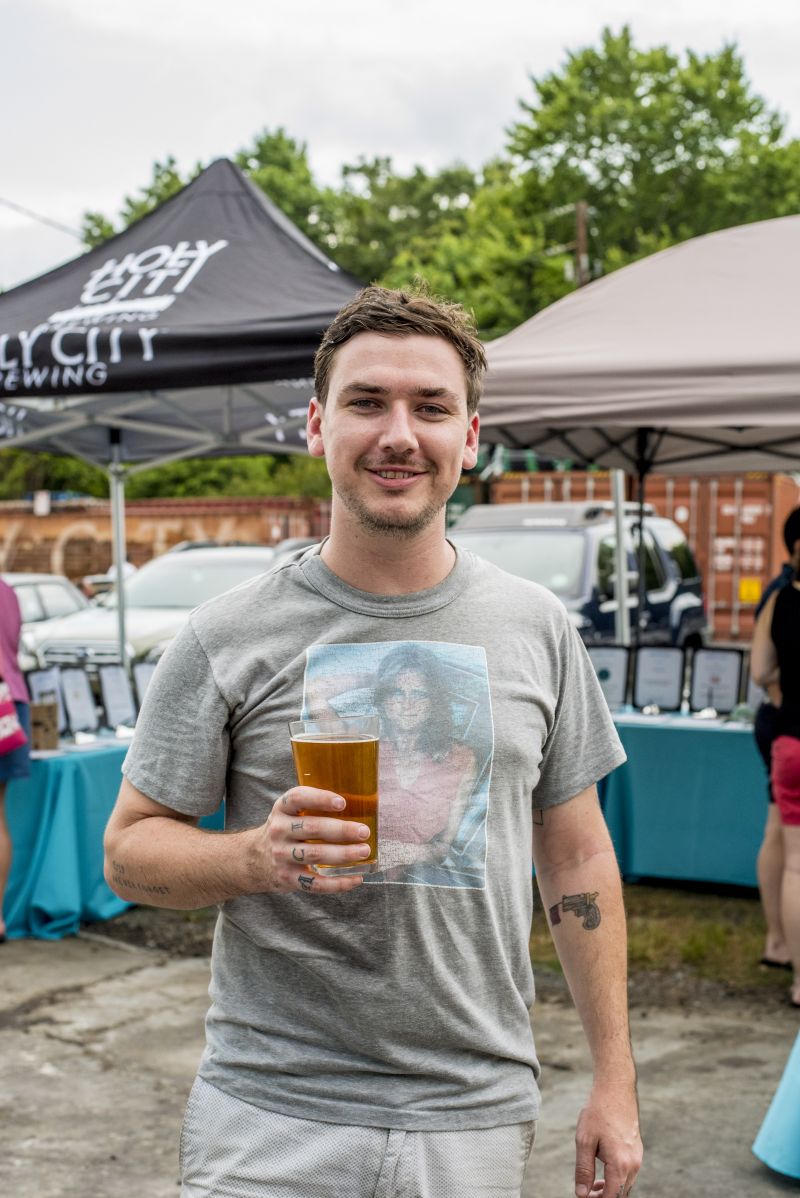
(158, 599)
(569, 548)
(44, 596)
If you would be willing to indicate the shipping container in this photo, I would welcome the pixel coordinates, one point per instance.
(733, 522)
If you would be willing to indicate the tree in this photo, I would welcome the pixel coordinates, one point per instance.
(166, 181)
(279, 166)
(661, 148)
(377, 213)
(492, 262)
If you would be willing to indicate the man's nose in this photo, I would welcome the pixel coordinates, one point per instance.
(398, 433)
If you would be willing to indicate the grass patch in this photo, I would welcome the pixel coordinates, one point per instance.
(716, 935)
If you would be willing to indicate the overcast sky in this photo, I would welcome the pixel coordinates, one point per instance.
(94, 91)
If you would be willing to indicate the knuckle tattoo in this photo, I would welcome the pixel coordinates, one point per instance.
(298, 853)
(305, 881)
(298, 827)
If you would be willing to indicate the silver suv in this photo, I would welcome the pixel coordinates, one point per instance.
(158, 599)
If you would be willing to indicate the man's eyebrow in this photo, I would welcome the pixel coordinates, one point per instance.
(357, 388)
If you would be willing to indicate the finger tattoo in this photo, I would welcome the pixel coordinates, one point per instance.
(305, 881)
(298, 853)
(298, 827)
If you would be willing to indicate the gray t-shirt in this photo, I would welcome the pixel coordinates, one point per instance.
(404, 1003)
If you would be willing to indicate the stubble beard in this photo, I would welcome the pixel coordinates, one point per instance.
(386, 523)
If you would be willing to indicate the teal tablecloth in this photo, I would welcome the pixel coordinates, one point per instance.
(56, 819)
(690, 802)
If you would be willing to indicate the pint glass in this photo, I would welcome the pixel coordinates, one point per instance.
(341, 754)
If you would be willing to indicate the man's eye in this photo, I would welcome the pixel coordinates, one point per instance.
(431, 409)
(364, 403)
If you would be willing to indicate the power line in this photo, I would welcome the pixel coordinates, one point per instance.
(45, 220)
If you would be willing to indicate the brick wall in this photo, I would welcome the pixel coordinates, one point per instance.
(75, 537)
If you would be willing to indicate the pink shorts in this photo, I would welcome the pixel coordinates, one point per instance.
(785, 778)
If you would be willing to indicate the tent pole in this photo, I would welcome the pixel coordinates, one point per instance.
(116, 474)
(641, 472)
(622, 623)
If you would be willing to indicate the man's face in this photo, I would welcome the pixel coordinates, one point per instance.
(394, 430)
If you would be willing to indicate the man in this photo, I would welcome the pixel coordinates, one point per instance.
(372, 1037)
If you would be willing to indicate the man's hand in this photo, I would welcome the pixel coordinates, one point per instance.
(298, 834)
(608, 1130)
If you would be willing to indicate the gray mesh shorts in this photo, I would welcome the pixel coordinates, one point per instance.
(231, 1149)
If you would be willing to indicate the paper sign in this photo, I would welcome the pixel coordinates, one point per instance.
(142, 673)
(45, 687)
(750, 590)
(716, 676)
(658, 678)
(79, 701)
(117, 696)
(611, 666)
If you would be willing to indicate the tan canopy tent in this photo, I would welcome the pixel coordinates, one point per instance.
(686, 361)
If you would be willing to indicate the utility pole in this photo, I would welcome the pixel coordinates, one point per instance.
(581, 243)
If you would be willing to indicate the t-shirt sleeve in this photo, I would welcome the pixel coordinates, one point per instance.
(180, 750)
(583, 745)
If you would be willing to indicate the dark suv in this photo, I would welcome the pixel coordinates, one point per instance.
(569, 548)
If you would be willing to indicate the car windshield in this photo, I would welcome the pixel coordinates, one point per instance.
(184, 581)
(553, 558)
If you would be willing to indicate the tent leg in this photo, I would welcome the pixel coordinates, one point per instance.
(622, 623)
(117, 486)
(641, 474)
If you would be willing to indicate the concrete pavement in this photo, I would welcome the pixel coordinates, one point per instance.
(99, 1043)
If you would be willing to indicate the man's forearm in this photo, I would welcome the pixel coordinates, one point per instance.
(164, 862)
(584, 908)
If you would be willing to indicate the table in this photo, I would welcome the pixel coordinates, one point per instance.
(56, 819)
(690, 802)
(778, 1141)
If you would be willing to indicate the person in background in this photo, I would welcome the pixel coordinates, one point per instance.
(17, 763)
(775, 660)
(769, 864)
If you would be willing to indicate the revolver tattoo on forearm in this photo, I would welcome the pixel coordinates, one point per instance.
(583, 907)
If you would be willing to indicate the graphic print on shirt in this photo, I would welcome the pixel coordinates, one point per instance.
(435, 756)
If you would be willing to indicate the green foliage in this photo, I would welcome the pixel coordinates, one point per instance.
(378, 213)
(22, 472)
(661, 148)
(295, 475)
(279, 166)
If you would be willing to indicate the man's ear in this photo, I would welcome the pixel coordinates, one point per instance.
(471, 447)
(316, 411)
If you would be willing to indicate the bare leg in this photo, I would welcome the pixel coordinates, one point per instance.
(770, 874)
(790, 901)
(5, 854)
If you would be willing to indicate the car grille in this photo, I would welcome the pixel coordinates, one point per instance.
(88, 655)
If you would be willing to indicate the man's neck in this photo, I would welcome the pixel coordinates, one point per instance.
(386, 565)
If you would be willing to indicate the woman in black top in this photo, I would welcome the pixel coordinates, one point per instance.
(776, 658)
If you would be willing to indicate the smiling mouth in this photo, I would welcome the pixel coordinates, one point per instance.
(397, 473)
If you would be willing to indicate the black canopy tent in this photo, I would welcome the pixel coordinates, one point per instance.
(192, 333)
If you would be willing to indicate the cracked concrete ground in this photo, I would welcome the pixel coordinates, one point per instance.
(99, 1043)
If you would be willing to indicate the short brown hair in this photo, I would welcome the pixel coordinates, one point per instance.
(402, 314)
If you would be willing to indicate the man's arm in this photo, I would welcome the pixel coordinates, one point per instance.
(159, 857)
(579, 882)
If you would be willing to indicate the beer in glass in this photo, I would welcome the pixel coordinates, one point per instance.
(341, 754)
